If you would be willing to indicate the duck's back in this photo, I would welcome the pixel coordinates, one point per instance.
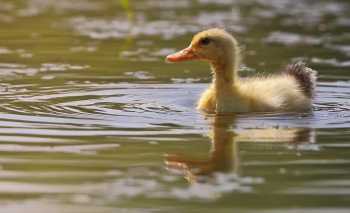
(291, 90)
(274, 93)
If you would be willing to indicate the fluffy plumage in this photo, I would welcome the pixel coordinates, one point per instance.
(305, 76)
(290, 90)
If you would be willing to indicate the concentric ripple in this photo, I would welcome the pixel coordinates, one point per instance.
(150, 107)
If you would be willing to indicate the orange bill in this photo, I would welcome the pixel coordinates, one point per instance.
(183, 55)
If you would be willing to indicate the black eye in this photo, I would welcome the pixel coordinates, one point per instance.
(205, 41)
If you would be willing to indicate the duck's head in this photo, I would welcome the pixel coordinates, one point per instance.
(214, 45)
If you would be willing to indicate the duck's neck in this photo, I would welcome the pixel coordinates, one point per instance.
(225, 75)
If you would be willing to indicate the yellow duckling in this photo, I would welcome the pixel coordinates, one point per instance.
(291, 90)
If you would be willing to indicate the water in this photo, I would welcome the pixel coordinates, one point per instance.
(93, 120)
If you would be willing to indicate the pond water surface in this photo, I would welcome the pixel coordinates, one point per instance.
(93, 120)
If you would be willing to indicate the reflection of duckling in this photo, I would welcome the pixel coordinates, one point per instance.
(224, 154)
(292, 90)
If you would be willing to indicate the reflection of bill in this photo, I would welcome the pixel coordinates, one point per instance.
(224, 154)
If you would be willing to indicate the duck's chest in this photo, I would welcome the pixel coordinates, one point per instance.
(225, 100)
(233, 103)
(229, 101)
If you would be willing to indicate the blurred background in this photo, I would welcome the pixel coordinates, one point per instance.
(93, 120)
(104, 36)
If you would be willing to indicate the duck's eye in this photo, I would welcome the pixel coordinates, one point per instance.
(205, 41)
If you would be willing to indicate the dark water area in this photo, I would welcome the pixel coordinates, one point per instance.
(92, 119)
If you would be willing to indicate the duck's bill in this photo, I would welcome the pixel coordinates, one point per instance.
(183, 55)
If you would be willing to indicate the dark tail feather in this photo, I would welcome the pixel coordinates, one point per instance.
(305, 76)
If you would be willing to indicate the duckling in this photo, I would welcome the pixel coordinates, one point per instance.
(291, 90)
